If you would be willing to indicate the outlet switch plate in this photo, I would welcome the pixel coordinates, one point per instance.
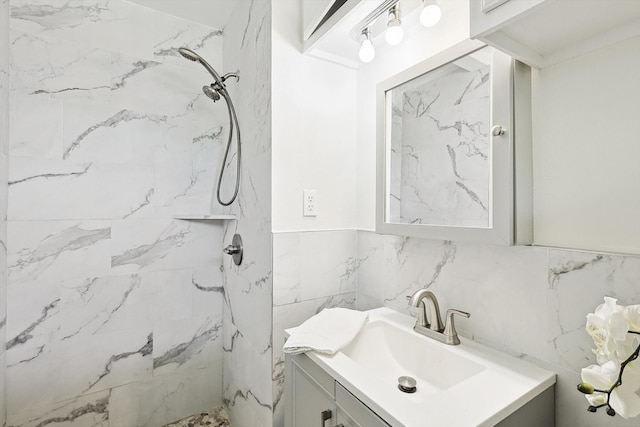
(310, 203)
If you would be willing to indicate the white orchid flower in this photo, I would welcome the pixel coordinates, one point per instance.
(608, 326)
(623, 398)
(632, 316)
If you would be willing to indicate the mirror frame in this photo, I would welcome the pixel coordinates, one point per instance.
(510, 217)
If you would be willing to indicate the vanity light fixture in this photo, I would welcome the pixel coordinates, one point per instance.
(367, 52)
(394, 32)
(431, 13)
(364, 32)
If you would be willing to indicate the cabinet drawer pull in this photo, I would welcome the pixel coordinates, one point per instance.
(340, 425)
(324, 416)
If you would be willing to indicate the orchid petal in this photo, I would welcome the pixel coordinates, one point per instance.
(594, 376)
(625, 402)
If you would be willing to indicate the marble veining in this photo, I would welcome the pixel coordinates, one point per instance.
(184, 352)
(115, 308)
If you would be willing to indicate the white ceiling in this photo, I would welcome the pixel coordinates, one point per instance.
(214, 13)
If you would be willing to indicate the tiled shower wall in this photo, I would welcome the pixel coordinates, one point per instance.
(4, 165)
(528, 301)
(248, 287)
(114, 307)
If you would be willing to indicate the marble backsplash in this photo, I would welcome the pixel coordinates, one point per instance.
(312, 271)
(531, 302)
(115, 307)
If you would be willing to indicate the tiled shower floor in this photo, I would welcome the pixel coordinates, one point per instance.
(215, 418)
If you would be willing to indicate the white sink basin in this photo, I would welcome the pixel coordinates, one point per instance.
(391, 352)
(464, 385)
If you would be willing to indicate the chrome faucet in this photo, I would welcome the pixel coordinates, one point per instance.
(431, 325)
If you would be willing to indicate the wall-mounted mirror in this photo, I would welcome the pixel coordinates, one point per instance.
(449, 159)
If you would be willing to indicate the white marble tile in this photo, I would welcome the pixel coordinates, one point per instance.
(4, 163)
(171, 33)
(111, 134)
(247, 387)
(154, 245)
(41, 189)
(207, 289)
(504, 288)
(87, 22)
(328, 263)
(78, 366)
(33, 316)
(248, 287)
(578, 282)
(87, 411)
(165, 398)
(155, 87)
(3, 391)
(58, 250)
(187, 344)
(36, 138)
(57, 68)
(310, 265)
(287, 277)
(288, 316)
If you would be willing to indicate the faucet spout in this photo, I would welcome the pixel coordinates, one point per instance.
(433, 321)
(431, 326)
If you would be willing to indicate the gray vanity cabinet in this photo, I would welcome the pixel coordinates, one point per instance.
(313, 398)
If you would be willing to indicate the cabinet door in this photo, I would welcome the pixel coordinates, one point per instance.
(310, 401)
(353, 413)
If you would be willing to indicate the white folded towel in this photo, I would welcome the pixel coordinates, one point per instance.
(326, 332)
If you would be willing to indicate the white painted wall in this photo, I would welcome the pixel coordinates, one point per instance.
(314, 131)
(587, 149)
(453, 28)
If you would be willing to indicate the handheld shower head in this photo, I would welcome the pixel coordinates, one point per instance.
(192, 56)
(189, 54)
(211, 92)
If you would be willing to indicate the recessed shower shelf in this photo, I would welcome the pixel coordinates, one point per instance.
(206, 217)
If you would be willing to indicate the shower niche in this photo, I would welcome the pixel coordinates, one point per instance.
(454, 148)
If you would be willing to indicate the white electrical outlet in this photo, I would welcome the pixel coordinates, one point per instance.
(310, 202)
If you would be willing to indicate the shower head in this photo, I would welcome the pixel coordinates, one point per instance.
(192, 56)
(189, 54)
(211, 92)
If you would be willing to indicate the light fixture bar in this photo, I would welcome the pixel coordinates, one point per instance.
(371, 18)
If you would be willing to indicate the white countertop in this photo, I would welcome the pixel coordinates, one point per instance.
(485, 399)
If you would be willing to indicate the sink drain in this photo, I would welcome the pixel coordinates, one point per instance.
(407, 384)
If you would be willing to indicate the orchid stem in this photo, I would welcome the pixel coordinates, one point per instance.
(618, 383)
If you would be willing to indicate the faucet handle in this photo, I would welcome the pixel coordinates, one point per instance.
(450, 327)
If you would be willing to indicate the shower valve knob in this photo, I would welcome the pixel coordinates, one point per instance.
(230, 250)
(235, 249)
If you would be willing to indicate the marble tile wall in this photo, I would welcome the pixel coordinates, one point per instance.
(4, 166)
(312, 270)
(527, 301)
(247, 389)
(114, 307)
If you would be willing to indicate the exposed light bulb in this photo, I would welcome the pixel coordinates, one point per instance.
(430, 15)
(394, 32)
(367, 52)
(394, 35)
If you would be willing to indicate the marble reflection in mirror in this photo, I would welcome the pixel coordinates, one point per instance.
(439, 163)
